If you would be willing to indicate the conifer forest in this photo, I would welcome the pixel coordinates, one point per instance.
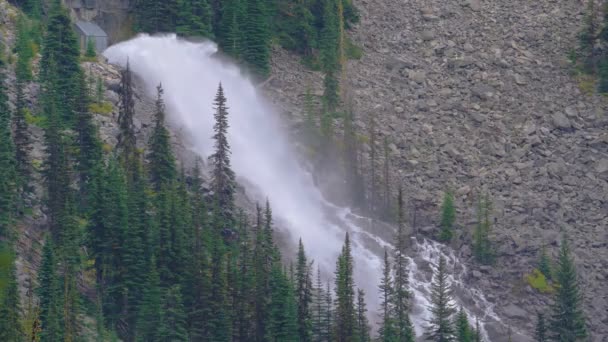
(115, 226)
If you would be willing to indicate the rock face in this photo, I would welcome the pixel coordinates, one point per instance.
(475, 95)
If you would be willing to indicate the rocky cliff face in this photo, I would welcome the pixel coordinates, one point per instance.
(478, 96)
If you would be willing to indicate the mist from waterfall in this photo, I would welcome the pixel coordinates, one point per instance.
(262, 155)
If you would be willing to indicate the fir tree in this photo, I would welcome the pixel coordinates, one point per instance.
(220, 323)
(540, 333)
(448, 215)
(8, 173)
(149, 320)
(257, 37)
(303, 294)
(48, 293)
(328, 43)
(567, 320)
(440, 328)
(230, 37)
(222, 176)
(10, 325)
(321, 312)
(462, 327)
(90, 51)
(173, 318)
(386, 330)
(401, 293)
(127, 144)
(161, 159)
(345, 319)
(282, 320)
(362, 324)
(482, 246)
(60, 48)
(588, 36)
(544, 263)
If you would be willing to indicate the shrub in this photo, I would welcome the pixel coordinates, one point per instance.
(538, 281)
(103, 108)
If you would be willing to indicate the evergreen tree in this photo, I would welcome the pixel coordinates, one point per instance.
(220, 323)
(540, 334)
(60, 48)
(321, 312)
(588, 37)
(256, 31)
(8, 173)
(48, 293)
(448, 215)
(401, 293)
(161, 159)
(282, 324)
(229, 32)
(173, 318)
(328, 43)
(90, 51)
(440, 328)
(567, 320)
(362, 324)
(482, 246)
(222, 176)
(127, 144)
(477, 331)
(544, 263)
(386, 330)
(303, 294)
(10, 325)
(149, 313)
(462, 327)
(345, 319)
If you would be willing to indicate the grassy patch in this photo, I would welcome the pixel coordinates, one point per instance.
(88, 59)
(539, 282)
(104, 108)
(107, 148)
(34, 120)
(587, 84)
(353, 51)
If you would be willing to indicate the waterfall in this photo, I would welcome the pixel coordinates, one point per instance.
(265, 163)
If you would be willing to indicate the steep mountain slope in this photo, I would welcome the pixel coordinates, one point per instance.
(478, 96)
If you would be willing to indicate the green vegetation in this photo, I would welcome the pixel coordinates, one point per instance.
(448, 215)
(482, 245)
(538, 281)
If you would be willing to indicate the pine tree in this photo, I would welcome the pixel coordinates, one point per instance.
(544, 263)
(173, 318)
(48, 293)
(440, 328)
(303, 294)
(229, 33)
(345, 319)
(282, 324)
(386, 330)
(257, 37)
(127, 144)
(8, 173)
(222, 176)
(587, 38)
(328, 44)
(90, 51)
(540, 333)
(10, 325)
(60, 48)
(148, 322)
(462, 327)
(21, 137)
(320, 312)
(482, 246)
(567, 320)
(362, 324)
(161, 159)
(220, 324)
(401, 293)
(448, 215)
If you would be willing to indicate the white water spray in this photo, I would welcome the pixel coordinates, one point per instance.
(262, 154)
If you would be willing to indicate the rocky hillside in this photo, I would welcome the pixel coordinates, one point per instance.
(478, 95)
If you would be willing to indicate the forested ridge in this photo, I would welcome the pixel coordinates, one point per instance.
(172, 258)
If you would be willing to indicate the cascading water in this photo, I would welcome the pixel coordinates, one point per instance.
(262, 156)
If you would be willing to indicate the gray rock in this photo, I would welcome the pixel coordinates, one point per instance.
(475, 5)
(602, 166)
(514, 311)
(427, 35)
(417, 76)
(483, 91)
(560, 121)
